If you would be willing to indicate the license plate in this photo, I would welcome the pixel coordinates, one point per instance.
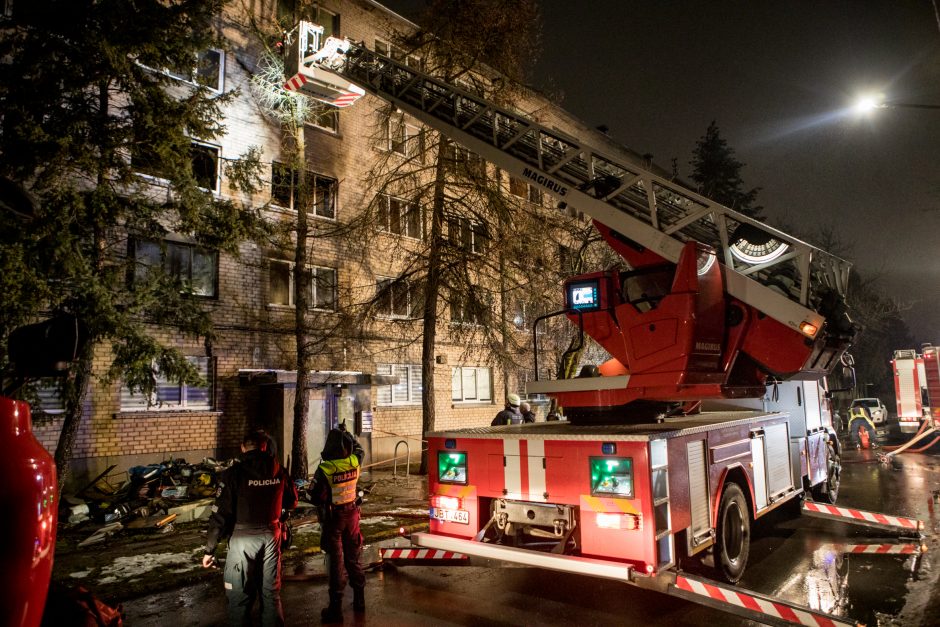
(461, 516)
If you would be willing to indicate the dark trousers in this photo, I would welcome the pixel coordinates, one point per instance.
(853, 431)
(253, 566)
(341, 540)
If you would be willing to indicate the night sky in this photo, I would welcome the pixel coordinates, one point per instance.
(779, 78)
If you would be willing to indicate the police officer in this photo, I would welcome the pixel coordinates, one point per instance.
(511, 414)
(335, 495)
(254, 495)
(859, 417)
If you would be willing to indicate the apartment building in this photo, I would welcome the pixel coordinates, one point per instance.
(367, 373)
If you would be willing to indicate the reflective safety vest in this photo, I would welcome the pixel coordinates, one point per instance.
(859, 412)
(342, 475)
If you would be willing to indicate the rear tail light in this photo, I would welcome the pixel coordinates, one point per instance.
(618, 521)
(445, 502)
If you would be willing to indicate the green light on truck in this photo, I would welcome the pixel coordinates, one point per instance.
(452, 467)
(612, 476)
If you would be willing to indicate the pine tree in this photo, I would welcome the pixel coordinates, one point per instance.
(94, 93)
(717, 173)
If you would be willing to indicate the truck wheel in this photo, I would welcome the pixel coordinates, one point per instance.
(828, 490)
(734, 533)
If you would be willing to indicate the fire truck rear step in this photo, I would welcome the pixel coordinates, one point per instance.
(877, 520)
(759, 607)
(563, 563)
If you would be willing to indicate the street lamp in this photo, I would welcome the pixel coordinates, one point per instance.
(867, 103)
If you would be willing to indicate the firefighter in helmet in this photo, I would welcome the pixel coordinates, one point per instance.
(860, 418)
(335, 494)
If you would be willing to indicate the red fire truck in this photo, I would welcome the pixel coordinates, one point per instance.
(29, 493)
(713, 409)
(916, 382)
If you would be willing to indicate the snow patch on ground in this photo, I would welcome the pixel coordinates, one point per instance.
(81, 574)
(135, 565)
(377, 520)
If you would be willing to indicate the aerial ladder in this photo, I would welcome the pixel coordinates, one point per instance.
(715, 304)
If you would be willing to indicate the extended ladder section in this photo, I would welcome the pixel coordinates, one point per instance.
(777, 274)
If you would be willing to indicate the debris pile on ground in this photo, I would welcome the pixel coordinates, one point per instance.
(144, 499)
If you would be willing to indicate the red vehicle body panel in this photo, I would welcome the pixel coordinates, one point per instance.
(549, 463)
(28, 498)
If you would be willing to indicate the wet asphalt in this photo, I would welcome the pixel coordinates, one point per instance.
(804, 560)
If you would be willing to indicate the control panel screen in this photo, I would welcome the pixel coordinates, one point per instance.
(584, 295)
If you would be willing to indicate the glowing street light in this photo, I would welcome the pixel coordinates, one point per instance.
(867, 103)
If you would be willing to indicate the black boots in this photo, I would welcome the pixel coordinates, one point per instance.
(334, 612)
(359, 600)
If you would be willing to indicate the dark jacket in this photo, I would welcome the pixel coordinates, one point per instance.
(509, 416)
(528, 416)
(339, 445)
(252, 494)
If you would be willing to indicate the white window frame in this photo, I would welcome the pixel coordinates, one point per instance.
(49, 392)
(403, 138)
(136, 402)
(314, 287)
(332, 113)
(192, 78)
(482, 378)
(394, 52)
(404, 209)
(476, 243)
(408, 389)
(141, 268)
(158, 179)
(334, 194)
(380, 286)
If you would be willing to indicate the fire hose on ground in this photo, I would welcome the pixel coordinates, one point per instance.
(922, 433)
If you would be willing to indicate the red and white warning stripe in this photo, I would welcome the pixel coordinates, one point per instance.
(748, 603)
(862, 516)
(878, 549)
(420, 554)
(295, 82)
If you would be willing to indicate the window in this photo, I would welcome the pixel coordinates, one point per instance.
(400, 217)
(173, 395)
(467, 234)
(328, 20)
(568, 260)
(525, 313)
(195, 268)
(535, 195)
(49, 392)
(471, 384)
(462, 159)
(518, 187)
(469, 308)
(208, 70)
(408, 389)
(204, 161)
(396, 53)
(322, 190)
(281, 285)
(326, 119)
(402, 138)
(398, 298)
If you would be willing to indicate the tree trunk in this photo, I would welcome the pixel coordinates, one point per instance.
(431, 293)
(298, 462)
(74, 390)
